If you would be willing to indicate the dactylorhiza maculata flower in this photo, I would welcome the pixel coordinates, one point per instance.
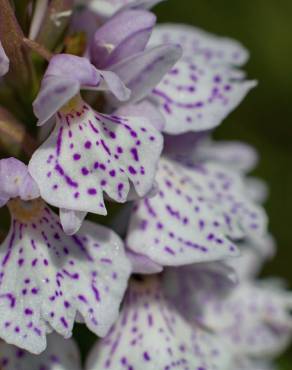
(127, 110)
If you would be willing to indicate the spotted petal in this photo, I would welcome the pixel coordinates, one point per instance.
(254, 320)
(46, 277)
(203, 87)
(4, 61)
(214, 49)
(88, 153)
(193, 215)
(195, 96)
(150, 334)
(60, 355)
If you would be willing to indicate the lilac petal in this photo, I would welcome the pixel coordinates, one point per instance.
(265, 325)
(16, 181)
(193, 216)
(107, 8)
(60, 354)
(124, 35)
(4, 61)
(143, 109)
(150, 334)
(195, 96)
(142, 264)
(47, 277)
(65, 76)
(143, 71)
(195, 41)
(71, 221)
(89, 153)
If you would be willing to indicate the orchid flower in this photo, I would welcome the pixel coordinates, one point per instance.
(104, 151)
(151, 334)
(47, 277)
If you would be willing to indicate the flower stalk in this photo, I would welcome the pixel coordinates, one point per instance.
(21, 74)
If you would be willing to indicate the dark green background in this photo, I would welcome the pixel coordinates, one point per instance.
(264, 119)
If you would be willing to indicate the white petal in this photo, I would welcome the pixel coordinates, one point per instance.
(195, 96)
(47, 277)
(60, 354)
(203, 87)
(89, 153)
(150, 334)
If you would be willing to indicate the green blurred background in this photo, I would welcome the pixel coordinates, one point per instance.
(264, 119)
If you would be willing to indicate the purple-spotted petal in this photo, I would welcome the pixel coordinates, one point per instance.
(89, 153)
(16, 181)
(193, 216)
(150, 334)
(254, 320)
(71, 221)
(66, 75)
(143, 109)
(195, 41)
(203, 87)
(124, 35)
(4, 61)
(143, 71)
(196, 96)
(60, 354)
(107, 8)
(46, 277)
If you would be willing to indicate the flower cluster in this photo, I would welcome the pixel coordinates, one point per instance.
(127, 110)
